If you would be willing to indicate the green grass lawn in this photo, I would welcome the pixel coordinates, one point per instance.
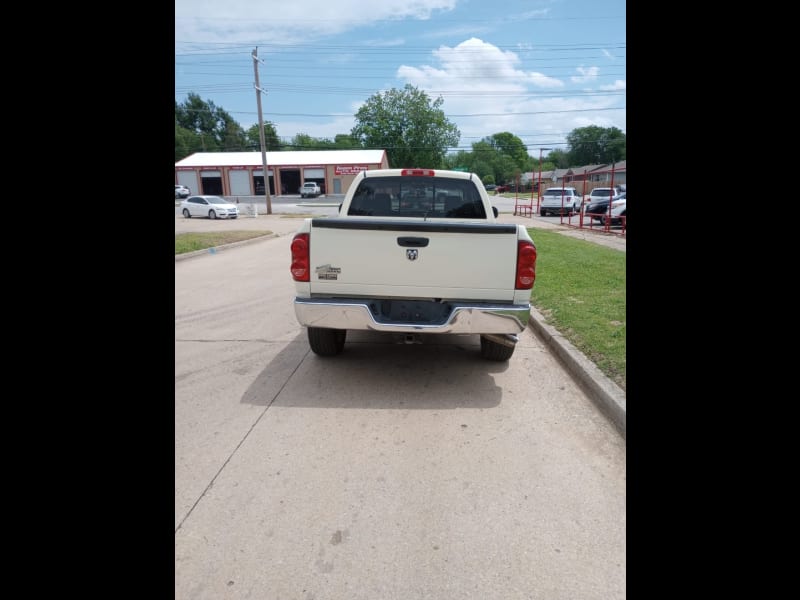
(580, 290)
(189, 242)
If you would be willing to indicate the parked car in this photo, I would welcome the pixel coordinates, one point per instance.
(490, 187)
(618, 206)
(212, 207)
(181, 191)
(502, 188)
(599, 201)
(310, 189)
(552, 201)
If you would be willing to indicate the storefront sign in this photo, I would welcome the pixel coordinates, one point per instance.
(350, 169)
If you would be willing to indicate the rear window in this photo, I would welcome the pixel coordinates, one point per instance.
(601, 192)
(431, 197)
(557, 192)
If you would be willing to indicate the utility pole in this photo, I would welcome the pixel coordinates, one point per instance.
(539, 187)
(261, 133)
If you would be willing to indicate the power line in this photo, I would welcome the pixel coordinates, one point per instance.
(542, 112)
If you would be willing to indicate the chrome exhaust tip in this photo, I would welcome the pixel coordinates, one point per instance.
(505, 339)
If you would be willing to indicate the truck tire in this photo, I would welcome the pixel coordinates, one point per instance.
(493, 351)
(325, 341)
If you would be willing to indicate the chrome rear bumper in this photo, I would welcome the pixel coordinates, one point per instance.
(360, 313)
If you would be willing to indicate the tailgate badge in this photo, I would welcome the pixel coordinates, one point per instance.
(412, 253)
(328, 272)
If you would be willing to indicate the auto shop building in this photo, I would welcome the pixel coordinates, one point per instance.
(242, 173)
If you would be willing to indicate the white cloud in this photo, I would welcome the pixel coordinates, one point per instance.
(528, 106)
(617, 85)
(249, 21)
(475, 65)
(589, 74)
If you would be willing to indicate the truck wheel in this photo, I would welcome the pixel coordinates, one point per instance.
(325, 341)
(493, 351)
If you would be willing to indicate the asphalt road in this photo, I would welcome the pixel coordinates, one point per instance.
(390, 471)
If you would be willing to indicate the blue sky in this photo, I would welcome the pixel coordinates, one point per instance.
(536, 68)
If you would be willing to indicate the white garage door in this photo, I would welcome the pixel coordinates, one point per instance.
(189, 179)
(314, 173)
(240, 183)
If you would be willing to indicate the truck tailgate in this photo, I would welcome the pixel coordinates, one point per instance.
(413, 259)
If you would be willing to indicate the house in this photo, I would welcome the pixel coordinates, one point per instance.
(583, 173)
(604, 173)
(526, 178)
(598, 174)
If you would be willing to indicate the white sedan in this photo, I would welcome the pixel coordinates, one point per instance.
(212, 207)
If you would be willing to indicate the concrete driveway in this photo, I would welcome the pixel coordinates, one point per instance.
(391, 471)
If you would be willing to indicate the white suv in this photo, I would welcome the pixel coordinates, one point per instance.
(181, 191)
(310, 189)
(552, 201)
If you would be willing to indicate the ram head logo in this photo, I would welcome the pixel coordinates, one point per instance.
(412, 253)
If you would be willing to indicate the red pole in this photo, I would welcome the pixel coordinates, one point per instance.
(612, 192)
(538, 187)
(583, 195)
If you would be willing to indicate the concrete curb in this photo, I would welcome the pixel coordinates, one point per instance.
(215, 249)
(606, 394)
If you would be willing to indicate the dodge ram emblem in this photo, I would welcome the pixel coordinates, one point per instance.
(411, 254)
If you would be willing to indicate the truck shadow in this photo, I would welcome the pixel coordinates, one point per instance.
(380, 371)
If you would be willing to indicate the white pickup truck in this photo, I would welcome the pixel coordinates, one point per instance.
(413, 251)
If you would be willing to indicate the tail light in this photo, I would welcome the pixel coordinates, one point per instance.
(526, 265)
(419, 172)
(301, 258)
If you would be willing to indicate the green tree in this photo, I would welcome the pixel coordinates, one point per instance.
(510, 145)
(506, 168)
(271, 139)
(560, 159)
(303, 141)
(502, 155)
(186, 142)
(596, 145)
(344, 141)
(216, 129)
(457, 159)
(196, 115)
(234, 138)
(408, 125)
